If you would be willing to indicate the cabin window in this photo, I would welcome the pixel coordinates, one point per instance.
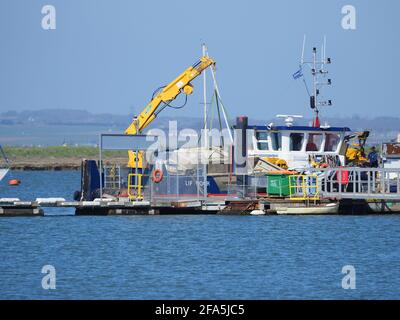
(314, 141)
(262, 145)
(262, 135)
(276, 138)
(262, 140)
(296, 141)
(331, 142)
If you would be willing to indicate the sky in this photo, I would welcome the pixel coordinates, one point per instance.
(108, 56)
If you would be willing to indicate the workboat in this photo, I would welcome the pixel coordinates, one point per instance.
(284, 145)
(266, 148)
(269, 148)
(299, 147)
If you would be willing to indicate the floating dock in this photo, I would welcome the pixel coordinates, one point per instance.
(332, 190)
(268, 206)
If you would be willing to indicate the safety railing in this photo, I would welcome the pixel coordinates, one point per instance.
(304, 187)
(135, 186)
(249, 186)
(359, 183)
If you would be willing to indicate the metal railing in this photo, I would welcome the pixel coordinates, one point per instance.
(359, 183)
(135, 186)
(247, 187)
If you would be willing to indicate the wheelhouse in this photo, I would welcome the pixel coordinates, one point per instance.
(296, 144)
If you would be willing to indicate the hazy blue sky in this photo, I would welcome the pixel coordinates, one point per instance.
(109, 56)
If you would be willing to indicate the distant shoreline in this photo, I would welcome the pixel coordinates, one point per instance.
(51, 164)
(35, 164)
(56, 158)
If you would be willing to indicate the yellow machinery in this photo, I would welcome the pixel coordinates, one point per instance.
(161, 99)
(281, 163)
(355, 152)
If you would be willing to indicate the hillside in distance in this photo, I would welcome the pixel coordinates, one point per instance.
(383, 128)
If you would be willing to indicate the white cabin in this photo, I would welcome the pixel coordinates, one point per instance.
(298, 145)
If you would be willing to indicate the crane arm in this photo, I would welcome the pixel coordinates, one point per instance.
(169, 93)
(162, 99)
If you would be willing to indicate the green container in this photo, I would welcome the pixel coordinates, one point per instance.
(278, 185)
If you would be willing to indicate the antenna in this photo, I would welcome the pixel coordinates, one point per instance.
(318, 74)
(302, 51)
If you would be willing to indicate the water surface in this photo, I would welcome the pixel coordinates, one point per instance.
(192, 256)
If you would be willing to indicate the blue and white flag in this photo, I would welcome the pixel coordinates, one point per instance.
(298, 74)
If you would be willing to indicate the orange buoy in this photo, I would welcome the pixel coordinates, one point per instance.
(14, 182)
(157, 175)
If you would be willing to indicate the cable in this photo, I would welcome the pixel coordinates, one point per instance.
(305, 84)
(175, 107)
(157, 91)
(167, 104)
(219, 120)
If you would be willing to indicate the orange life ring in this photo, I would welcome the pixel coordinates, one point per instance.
(157, 175)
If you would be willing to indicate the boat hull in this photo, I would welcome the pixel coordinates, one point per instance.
(332, 208)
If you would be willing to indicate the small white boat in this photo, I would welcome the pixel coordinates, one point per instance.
(331, 208)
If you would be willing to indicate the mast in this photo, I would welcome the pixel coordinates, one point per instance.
(314, 100)
(318, 74)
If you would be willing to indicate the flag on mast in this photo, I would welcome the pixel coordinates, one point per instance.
(298, 74)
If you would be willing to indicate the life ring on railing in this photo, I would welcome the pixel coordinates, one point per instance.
(157, 175)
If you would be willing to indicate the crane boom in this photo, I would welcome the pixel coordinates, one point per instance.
(162, 99)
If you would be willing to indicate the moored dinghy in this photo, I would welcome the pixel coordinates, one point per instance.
(330, 208)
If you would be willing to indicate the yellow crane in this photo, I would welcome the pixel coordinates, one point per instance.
(161, 99)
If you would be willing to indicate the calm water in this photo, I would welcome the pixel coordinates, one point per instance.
(184, 257)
